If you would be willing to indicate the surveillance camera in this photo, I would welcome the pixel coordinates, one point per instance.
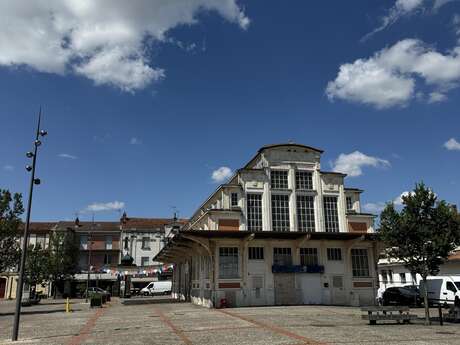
(38, 142)
(28, 168)
(29, 154)
(37, 181)
(43, 133)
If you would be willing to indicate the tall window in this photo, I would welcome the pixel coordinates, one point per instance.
(144, 261)
(282, 256)
(254, 212)
(256, 253)
(349, 204)
(308, 256)
(84, 242)
(234, 199)
(108, 242)
(360, 263)
(303, 180)
(228, 262)
(390, 275)
(107, 259)
(279, 179)
(145, 243)
(331, 216)
(305, 213)
(280, 212)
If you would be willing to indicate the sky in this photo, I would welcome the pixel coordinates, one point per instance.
(150, 105)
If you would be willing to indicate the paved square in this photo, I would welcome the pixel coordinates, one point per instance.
(184, 323)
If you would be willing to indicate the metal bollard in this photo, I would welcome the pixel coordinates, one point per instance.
(67, 305)
(440, 314)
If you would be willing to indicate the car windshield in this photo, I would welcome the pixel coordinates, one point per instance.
(457, 284)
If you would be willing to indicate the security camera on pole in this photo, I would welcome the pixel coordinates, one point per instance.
(33, 181)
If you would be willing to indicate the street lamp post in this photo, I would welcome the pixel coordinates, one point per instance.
(89, 263)
(33, 180)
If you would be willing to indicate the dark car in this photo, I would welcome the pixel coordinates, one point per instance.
(399, 295)
(92, 290)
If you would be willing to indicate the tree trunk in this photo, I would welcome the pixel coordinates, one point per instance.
(425, 300)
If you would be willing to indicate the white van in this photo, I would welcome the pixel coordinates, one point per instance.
(441, 289)
(157, 288)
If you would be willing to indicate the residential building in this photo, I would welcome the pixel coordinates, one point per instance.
(281, 231)
(39, 233)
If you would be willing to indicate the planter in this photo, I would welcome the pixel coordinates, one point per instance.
(95, 300)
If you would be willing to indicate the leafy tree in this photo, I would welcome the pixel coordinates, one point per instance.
(10, 210)
(63, 256)
(37, 266)
(422, 234)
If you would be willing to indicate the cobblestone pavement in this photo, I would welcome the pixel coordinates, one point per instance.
(183, 323)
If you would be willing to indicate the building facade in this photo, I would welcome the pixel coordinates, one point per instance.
(281, 231)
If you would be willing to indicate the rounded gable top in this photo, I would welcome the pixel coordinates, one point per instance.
(272, 146)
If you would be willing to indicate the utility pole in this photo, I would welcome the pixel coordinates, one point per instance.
(33, 181)
(90, 245)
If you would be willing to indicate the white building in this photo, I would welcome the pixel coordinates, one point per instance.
(394, 273)
(281, 231)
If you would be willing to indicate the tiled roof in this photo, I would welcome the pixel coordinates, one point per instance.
(38, 227)
(149, 223)
(90, 226)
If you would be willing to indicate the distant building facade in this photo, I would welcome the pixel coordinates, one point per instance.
(281, 231)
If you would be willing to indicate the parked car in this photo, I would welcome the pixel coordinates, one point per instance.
(402, 295)
(98, 290)
(442, 289)
(155, 288)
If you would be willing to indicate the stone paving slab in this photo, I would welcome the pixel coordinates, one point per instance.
(184, 323)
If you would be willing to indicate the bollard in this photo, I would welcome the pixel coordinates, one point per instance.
(440, 314)
(67, 306)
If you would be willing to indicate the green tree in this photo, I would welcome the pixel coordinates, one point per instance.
(10, 210)
(422, 234)
(37, 267)
(63, 256)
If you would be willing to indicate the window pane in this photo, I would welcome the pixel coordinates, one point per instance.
(331, 216)
(256, 253)
(306, 213)
(234, 199)
(228, 262)
(279, 179)
(334, 254)
(304, 180)
(280, 213)
(254, 212)
(282, 256)
(349, 204)
(108, 242)
(360, 264)
(308, 256)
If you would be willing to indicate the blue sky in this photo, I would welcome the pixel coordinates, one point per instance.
(143, 104)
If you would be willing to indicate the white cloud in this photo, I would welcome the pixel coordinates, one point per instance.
(439, 3)
(66, 155)
(108, 206)
(452, 145)
(374, 207)
(221, 174)
(436, 97)
(107, 41)
(400, 9)
(388, 78)
(352, 163)
(135, 141)
(8, 167)
(398, 200)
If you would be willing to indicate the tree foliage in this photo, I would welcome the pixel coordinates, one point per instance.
(37, 269)
(423, 233)
(10, 211)
(63, 255)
